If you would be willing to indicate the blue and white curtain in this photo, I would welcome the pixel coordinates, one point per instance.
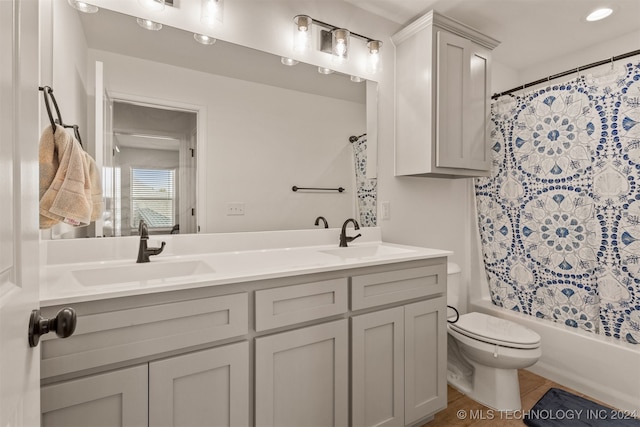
(559, 217)
(366, 188)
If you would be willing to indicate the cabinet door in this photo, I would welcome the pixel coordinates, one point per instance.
(117, 398)
(477, 112)
(204, 388)
(377, 368)
(425, 356)
(301, 377)
(463, 109)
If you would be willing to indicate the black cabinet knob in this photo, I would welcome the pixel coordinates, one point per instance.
(63, 325)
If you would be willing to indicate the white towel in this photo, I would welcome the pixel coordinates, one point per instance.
(66, 180)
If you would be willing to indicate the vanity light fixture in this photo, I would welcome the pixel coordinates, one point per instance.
(333, 40)
(302, 33)
(149, 25)
(340, 44)
(155, 5)
(323, 70)
(211, 12)
(82, 6)
(288, 61)
(203, 39)
(373, 62)
(599, 14)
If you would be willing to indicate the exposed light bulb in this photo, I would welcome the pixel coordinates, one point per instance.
(149, 25)
(340, 44)
(599, 14)
(155, 5)
(210, 12)
(82, 6)
(374, 64)
(302, 33)
(288, 61)
(203, 39)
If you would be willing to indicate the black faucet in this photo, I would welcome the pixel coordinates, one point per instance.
(343, 235)
(323, 219)
(143, 251)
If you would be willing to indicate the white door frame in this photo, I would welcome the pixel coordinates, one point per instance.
(201, 146)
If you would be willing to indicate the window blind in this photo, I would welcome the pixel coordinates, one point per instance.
(153, 197)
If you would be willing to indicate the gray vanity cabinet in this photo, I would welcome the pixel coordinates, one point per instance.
(116, 399)
(302, 377)
(399, 354)
(209, 387)
(203, 388)
(361, 346)
(377, 373)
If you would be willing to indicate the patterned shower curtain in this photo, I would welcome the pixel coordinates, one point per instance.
(559, 217)
(366, 188)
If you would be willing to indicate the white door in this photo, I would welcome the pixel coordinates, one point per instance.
(19, 364)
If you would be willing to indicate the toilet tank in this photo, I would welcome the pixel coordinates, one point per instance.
(454, 285)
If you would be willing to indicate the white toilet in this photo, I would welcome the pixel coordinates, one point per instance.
(485, 352)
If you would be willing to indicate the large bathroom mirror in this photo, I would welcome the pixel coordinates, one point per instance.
(255, 127)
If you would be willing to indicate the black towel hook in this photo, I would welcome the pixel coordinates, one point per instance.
(46, 92)
(76, 132)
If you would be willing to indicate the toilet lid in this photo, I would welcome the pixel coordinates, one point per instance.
(495, 330)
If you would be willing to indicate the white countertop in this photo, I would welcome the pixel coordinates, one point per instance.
(208, 262)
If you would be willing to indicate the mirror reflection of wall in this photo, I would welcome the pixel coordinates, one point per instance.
(153, 160)
(262, 127)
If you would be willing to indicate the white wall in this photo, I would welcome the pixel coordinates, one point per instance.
(261, 140)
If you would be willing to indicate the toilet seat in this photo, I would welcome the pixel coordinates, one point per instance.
(493, 330)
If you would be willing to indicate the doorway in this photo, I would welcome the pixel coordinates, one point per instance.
(152, 173)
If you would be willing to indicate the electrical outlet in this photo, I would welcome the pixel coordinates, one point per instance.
(385, 210)
(235, 208)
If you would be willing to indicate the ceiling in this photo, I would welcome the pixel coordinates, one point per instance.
(530, 31)
(118, 33)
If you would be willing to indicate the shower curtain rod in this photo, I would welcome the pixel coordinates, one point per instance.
(568, 72)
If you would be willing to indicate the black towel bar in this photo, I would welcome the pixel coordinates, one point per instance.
(296, 188)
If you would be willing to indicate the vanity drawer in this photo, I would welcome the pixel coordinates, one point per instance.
(300, 303)
(370, 290)
(117, 336)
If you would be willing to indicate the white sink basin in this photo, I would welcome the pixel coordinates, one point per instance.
(366, 252)
(140, 272)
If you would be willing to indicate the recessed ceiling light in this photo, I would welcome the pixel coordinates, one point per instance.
(356, 79)
(288, 61)
(323, 70)
(82, 6)
(149, 25)
(599, 14)
(202, 39)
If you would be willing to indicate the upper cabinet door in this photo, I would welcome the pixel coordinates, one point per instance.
(462, 109)
(477, 114)
(443, 95)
